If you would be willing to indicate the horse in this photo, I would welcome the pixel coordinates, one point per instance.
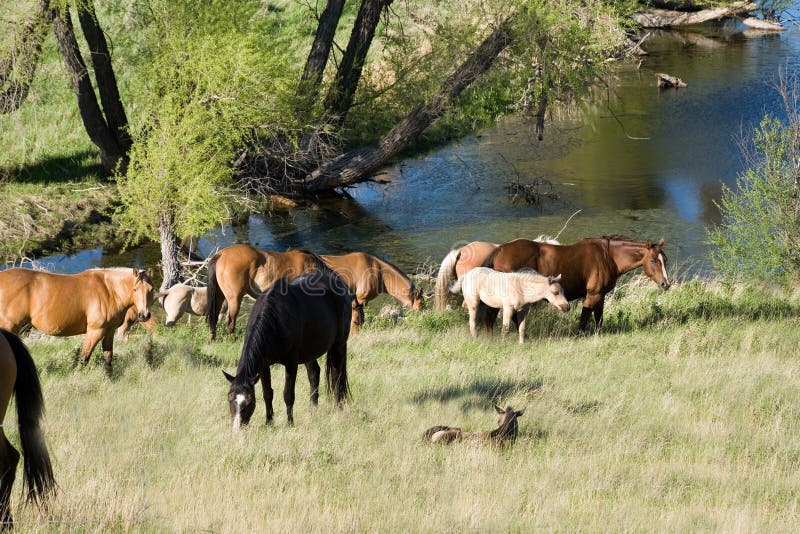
(93, 302)
(183, 298)
(367, 276)
(461, 260)
(513, 292)
(18, 375)
(589, 268)
(506, 431)
(292, 323)
(240, 270)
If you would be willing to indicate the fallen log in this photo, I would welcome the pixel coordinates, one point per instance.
(665, 18)
(761, 24)
(666, 81)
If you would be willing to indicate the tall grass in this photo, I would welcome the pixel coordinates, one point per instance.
(683, 414)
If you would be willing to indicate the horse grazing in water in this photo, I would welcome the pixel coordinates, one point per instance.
(18, 375)
(513, 292)
(506, 431)
(93, 302)
(367, 276)
(292, 323)
(240, 270)
(589, 268)
(462, 260)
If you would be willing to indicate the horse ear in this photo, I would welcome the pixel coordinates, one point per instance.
(520, 413)
(648, 245)
(555, 278)
(498, 409)
(149, 272)
(661, 242)
(229, 377)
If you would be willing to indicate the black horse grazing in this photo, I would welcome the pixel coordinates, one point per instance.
(293, 323)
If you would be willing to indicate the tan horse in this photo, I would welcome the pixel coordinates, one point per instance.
(93, 302)
(240, 270)
(367, 276)
(18, 375)
(512, 292)
(506, 431)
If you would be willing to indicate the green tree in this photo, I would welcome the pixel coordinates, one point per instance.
(759, 236)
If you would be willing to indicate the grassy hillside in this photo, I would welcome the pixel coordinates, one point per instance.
(684, 414)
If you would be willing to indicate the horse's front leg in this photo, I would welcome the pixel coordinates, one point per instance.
(288, 391)
(473, 324)
(591, 300)
(108, 347)
(266, 388)
(598, 314)
(312, 368)
(90, 341)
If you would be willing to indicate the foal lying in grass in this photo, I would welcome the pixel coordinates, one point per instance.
(507, 428)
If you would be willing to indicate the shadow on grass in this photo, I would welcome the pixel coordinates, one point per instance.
(478, 394)
(76, 167)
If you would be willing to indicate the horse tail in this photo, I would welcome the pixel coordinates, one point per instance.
(336, 373)
(447, 271)
(456, 289)
(38, 471)
(214, 296)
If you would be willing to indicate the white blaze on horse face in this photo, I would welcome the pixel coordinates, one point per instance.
(237, 420)
(663, 266)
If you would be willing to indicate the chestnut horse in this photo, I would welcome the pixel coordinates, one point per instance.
(240, 270)
(93, 302)
(293, 323)
(18, 375)
(367, 276)
(506, 431)
(589, 268)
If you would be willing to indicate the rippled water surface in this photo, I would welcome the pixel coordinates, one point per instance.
(638, 161)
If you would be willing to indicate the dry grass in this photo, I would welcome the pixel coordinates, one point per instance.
(671, 426)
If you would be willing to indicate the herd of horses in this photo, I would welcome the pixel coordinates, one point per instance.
(306, 305)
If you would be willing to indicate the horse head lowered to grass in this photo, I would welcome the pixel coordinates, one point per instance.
(293, 323)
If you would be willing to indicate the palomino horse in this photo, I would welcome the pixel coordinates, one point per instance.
(18, 375)
(93, 302)
(367, 276)
(589, 268)
(182, 298)
(460, 261)
(513, 292)
(240, 270)
(293, 323)
(506, 431)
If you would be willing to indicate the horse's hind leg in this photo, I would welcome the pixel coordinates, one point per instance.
(288, 391)
(520, 318)
(233, 310)
(312, 368)
(9, 458)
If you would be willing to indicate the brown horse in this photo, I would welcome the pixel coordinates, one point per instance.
(506, 431)
(18, 375)
(367, 276)
(93, 302)
(589, 268)
(240, 270)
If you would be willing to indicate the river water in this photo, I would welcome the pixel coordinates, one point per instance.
(637, 160)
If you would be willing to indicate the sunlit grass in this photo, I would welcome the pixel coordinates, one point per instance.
(673, 424)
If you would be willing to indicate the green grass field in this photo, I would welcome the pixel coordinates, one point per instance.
(683, 414)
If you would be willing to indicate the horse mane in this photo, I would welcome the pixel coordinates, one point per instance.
(263, 330)
(618, 237)
(397, 270)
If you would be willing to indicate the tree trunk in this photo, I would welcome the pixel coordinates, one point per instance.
(357, 165)
(341, 94)
(104, 75)
(320, 49)
(93, 120)
(663, 18)
(170, 248)
(19, 66)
